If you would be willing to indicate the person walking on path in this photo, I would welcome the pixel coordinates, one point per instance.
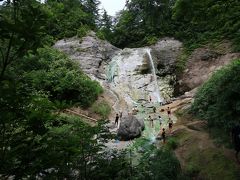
(169, 112)
(150, 99)
(170, 125)
(150, 121)
(117, 119)
(163, 136)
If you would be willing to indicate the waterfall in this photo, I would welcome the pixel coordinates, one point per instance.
(157, 91)
(111, 71)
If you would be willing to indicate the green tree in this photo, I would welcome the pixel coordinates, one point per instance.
(67, 18)
(91, 7)
(22, 25)
(105, 29)
(143, 20)
(207, 20)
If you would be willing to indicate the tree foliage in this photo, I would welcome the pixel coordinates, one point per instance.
(193, 22)
(35, 81)
(106, 25)
(54, 73)
(23, 25)
(67, 17)
(218, 100)
(142, 20)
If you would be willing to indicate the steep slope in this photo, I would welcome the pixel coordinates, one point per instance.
(202, 63)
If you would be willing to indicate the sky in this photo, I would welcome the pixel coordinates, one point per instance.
(112, 6)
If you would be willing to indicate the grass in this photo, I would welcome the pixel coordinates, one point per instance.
(220, 137)
(201, 161)
(101, 108)
(210, 164)
(182, 60)
(172, 143)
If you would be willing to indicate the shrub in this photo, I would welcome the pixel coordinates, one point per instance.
(218, 100)
(172, 144)
(55, 73)
(82, 31)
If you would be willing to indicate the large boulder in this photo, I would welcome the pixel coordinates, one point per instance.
(130, 128)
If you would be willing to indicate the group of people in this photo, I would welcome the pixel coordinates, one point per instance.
(151, 120)
(170, 122)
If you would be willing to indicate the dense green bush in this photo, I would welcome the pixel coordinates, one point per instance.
(158, 164)
(172, 143)
(218, 100)
(82, 31)
(54, 73)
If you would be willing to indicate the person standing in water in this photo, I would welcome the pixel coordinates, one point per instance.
(169, 112)
(160, 120)
(150, 120)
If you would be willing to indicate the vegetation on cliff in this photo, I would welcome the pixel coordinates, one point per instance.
(218, 100)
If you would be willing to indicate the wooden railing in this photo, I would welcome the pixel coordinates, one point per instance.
(80, 115)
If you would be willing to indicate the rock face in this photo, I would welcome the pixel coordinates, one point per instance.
(130, 127)
(90, 52)
(202, 63)
(126, 75)
(165, 53)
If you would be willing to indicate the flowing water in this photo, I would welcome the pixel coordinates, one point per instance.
(157, 91)
(111, 71)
